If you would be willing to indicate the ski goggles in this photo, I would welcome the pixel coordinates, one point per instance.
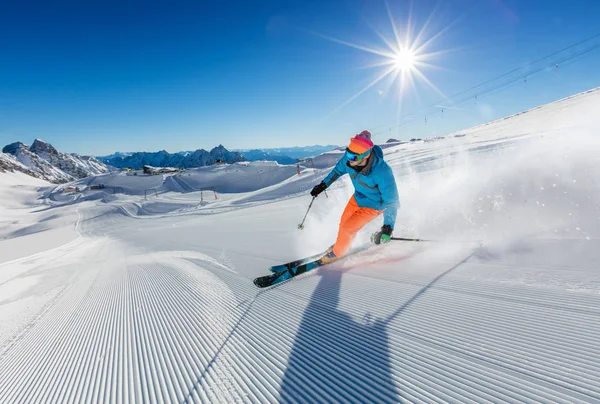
(350, 155)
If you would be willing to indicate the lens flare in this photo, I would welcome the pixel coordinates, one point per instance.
(402, 60)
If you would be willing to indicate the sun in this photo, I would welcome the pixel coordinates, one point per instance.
(404, 60)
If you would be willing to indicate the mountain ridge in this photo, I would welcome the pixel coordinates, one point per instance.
(162, 158)
(42, 160)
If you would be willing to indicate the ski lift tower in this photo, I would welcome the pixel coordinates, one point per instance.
(305, 160)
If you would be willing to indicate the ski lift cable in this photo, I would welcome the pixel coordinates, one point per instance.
(562, 61)
(375, 130)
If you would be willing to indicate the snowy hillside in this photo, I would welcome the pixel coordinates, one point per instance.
(9, 163)
(142, 291)
(47, 163)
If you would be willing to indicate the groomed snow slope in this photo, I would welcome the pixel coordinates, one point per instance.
(154, 301)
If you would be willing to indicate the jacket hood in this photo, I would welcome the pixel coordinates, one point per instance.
(378, 152)
(376, 158)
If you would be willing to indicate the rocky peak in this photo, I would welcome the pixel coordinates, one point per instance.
(14, 148)
(46, 162)
(39, 146)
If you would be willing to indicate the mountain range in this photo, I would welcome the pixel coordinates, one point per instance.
(201, 157)
(198, 158)
(42, 160)
(285, 155)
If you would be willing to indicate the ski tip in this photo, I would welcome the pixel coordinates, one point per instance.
(263, 281)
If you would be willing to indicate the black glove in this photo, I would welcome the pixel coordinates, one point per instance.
(384, 235)
(318, 189)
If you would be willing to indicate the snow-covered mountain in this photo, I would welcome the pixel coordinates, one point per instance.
(9, 163)
(198, 158)
(44, 161)
(262, 155)
(296, 152)
(114, 156)
(201, 157)
(73, 164)
(42, 168)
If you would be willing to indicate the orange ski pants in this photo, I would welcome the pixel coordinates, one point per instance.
(353, 219)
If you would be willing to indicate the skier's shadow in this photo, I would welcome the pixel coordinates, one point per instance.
(336, 358)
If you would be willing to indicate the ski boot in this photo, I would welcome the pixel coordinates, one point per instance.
(328, 257)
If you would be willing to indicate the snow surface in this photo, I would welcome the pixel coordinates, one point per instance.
(147, 295)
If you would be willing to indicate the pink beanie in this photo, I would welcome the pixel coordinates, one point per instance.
(361, 143)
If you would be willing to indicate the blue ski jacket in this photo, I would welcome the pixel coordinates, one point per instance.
(374, 185)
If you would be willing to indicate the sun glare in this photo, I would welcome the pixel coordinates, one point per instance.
(402, 61)
(405, 60)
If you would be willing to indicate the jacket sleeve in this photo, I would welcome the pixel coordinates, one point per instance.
(337, 172)
(389, 196)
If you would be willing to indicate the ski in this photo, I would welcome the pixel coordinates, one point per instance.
(306, 265)
(286, 274)
(292, 264)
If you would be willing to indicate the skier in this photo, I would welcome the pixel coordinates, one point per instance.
(375, 192)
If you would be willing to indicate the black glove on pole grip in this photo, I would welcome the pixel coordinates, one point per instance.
(318, 189)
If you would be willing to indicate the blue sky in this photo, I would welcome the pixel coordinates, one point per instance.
(96, 77)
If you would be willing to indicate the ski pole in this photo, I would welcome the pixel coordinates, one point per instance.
(301, 225)
(413, 239)
(435, 241)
